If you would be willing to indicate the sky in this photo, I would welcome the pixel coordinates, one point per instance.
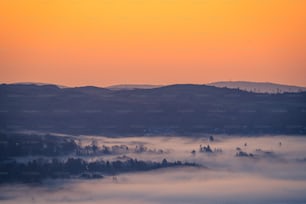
(107, 42)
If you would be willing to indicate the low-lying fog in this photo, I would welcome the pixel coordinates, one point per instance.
(270, 169)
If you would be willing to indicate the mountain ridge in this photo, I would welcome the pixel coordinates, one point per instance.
(256, 87)
(259, 87)
(175, 109)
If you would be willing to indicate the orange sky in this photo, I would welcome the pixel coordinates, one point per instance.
(105, 42)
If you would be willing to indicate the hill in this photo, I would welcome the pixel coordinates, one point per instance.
(132, 86)
(259, 87)
(176, 109)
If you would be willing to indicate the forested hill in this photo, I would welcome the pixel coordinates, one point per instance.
(175, 109)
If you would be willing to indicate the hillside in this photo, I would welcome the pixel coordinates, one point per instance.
(259, 87)
(175, 109)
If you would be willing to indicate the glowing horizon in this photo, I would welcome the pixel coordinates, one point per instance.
(102, 43)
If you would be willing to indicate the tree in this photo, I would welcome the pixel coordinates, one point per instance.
(164, 162)
(94, 146)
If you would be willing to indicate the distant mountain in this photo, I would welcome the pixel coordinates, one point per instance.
(182, 109)
(132, 86)
(259, 87)
(39, 84)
